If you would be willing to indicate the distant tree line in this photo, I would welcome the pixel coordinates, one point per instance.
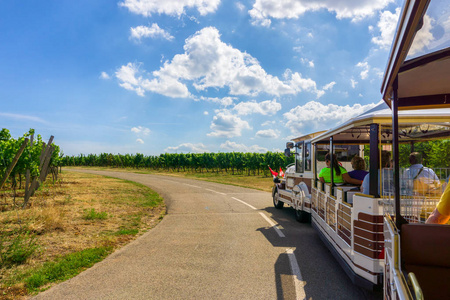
(436, 154)
(231, 162)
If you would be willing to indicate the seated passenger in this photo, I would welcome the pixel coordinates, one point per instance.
(441, 214)
(359, 168)
(386, 172)
(340, 174)
(420, 178)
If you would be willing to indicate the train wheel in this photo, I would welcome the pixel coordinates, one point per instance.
(277, 203)
(300, 216)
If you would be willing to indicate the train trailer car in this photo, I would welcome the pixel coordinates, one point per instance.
(350, 222)
(417, 77)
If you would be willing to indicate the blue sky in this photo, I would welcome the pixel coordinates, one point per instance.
(155, 76)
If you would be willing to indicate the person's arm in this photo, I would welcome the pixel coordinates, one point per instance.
(350, 180)
(437, 218)
(321, 175)
(441, 213)
(365, 185)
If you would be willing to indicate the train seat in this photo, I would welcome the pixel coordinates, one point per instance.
(425, 251)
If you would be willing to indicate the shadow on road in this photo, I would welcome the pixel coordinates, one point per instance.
(321, 274)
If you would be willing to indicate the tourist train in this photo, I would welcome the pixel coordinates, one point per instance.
(379, 237)
(349, 222)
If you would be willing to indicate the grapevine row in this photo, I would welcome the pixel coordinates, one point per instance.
(231, 162)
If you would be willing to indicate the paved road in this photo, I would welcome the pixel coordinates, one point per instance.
(216, 242)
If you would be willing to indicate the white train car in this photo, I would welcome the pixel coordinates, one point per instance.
(349, 222)
(417, 263)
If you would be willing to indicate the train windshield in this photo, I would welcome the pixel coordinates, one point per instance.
(299, 158)
(434, 34)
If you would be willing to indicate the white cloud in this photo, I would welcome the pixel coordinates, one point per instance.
(150, 32)
(240, 6)
(353, 82)
(265, 10)
(329, 86)
(127, 77)
(206, 113)
(140, 141)
(130, 79)
(268, 123)
(225, 101)
(298, 49)
(314, 116)
(268, 134)
(387, 25)
(423, 37)
(309, 63)
(169, 7)
(209, 63)
(365, 69)
(141, 130)
(188, 148)
(225, 124)
(234, 147)
(22, 117)
(298, 83)
(104, 75)
(268, 107)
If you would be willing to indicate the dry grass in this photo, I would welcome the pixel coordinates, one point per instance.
(258, 182)
(57, 216)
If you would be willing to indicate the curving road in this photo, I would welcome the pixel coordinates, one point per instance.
(216, 242)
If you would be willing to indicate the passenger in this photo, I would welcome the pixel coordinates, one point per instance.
(417, 170)
(386, 172)
(340, 175)
(441, 214)
(359, 168)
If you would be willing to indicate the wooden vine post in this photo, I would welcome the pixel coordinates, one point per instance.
(44, 161)
(27, 175)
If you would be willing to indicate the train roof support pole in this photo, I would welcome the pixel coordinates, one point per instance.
(314, 160)
(374, 160)
(396, 156)
(331, 164)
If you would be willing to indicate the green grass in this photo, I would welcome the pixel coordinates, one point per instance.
(66, 267)
(93, 215)
(127, 231)
(149, 198)
(16, 247)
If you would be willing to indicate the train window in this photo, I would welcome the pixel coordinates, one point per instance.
(344, 153)
(299, 157)
(308, 157)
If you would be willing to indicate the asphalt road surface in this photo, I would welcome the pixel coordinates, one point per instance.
(216, 242)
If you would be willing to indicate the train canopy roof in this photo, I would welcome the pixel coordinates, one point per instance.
(413, 124)
(420, 56)
(308, 136)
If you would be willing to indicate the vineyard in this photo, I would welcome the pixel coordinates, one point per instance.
(232, 162)
(26, 162)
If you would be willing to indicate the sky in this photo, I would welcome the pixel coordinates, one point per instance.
(189, 76)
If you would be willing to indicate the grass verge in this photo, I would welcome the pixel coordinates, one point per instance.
(259, 182)
(64, 268)
(69, 226)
